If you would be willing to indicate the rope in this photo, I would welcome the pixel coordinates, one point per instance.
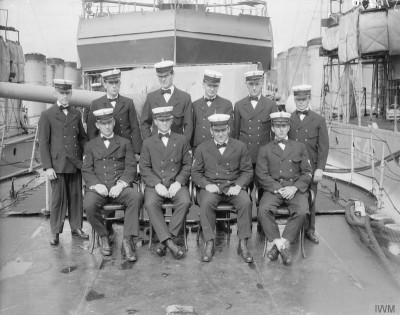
(364, 223)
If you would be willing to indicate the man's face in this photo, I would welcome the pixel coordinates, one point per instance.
(210, 89)
(280, 129)
(302, 102)
(220, 133)
(163, 124)
(63, 97)
(166, 79)
(106, 128)
(112, 87)
(254, 87)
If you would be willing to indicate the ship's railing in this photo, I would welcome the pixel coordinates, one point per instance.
(374, 157)
(102, 8)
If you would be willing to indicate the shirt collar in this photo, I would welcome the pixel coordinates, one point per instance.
(221, 143)
(112, 135)
(257, 96)
(110, 97)
(172, 88)
(302, 110)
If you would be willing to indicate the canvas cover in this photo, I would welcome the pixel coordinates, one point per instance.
(373, 32)
(17, 61)
(348, 37)
(330, 41)
(4, 61)
(394, 31)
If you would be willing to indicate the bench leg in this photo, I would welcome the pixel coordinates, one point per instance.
(265, 246)
(185, 235)
(302, 232)
(93, 240)
(150, 235)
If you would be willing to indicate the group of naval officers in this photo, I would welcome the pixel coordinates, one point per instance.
(223, 149)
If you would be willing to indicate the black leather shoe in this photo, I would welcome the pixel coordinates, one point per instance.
(105, 246)
(312, 237)
(286, 256)
(273, 254)
(175, 250)
(244, 251)
(127, 250)
(161, 250)
(54, 240)
(209, 251)
(80, 234)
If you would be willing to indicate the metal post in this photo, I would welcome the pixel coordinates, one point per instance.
(352, 155)
(33, 149)
(339, 93)
(372, 91)
(3, 129)
(361, 88)
(395, 113)
(382, 170)
(371, 153)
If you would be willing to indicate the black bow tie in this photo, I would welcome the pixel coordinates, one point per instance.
(106, 139)
(283, 141)
(219, 146)
(209, 99)
(64, 107)
(304, 112)
(168, 91)
(113, 99)
(253, 98)
(163, 135)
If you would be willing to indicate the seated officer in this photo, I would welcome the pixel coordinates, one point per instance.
(109, 167)
(165, 164)
(283, 171)
(222, 169)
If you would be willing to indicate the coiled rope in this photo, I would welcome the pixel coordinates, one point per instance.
(361, 223)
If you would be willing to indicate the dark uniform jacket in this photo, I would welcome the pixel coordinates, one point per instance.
(277, 168)
(165, 165)
(201, 111)
(182, 112)
(311, 131)
(61, 139)
(102, 165)
(229, 169)
(253, 126)
(126, 120)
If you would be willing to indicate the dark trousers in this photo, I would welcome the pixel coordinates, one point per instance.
(311, 221)
(153, 202)
(66, 196)
(209, 202)
(128, 197)
(298, 209)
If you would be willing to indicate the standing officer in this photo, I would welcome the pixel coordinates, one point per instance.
(208, 105)
(109, 167)
(309, 127)
(222, 169)
(252, 122)
(165, 164)
(61, 143)
(167, 95)
(97, 87)
(126, 120)
(283, 171)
